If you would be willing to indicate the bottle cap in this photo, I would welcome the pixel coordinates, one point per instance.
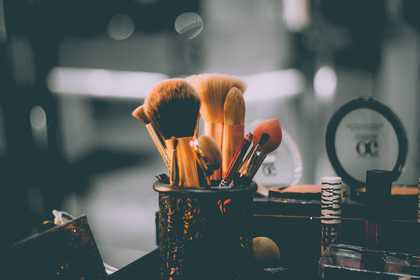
(331, 180)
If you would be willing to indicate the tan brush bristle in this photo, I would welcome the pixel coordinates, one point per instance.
(273, 128)
(210, 151)
(139, 114)
(233, 128)
(156, 137)
(174, 106)
(212, 90)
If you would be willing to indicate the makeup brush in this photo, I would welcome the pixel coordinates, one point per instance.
(174, 106)
(212, 90)
(156, 137)
(271, 127)
(237, 160)
(256, 149)
(207, 155)
(233, 127)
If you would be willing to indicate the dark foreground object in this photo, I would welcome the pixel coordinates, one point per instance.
(66, 252)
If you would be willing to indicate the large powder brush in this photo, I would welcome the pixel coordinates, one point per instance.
(174, 106)
(212, 90)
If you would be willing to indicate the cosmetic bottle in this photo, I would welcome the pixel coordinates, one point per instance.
(330, 211)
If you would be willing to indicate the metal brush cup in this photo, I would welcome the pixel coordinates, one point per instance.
(204, 233)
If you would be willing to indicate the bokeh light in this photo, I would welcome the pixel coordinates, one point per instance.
(120, 27)
(325, 83)
(189, 25)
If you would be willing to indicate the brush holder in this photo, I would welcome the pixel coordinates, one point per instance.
(204, 233)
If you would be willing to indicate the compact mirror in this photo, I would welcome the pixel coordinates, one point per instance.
(365, 134)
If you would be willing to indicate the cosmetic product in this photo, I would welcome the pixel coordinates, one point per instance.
(365, 134)
(265, 251)
(270, 128)
(233, 127)
(173, 106)
(378, 193)
(236, 160)
(212, 90)
(246, 166)
(207, 155)
(331, 188)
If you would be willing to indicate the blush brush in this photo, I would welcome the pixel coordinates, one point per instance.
(272, 128)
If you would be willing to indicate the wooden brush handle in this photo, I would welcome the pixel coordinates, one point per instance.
(233, 136)
(159, 144)
(171, 145)
(215, 131)
(235, 162)
(202, 167)
(256, 165)
(242, 169)
(187, 166)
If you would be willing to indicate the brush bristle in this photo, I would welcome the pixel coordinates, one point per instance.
(210, 150)
(212, 90)
(271, 127)
(139, 114)
(234, 107)
(174, 106)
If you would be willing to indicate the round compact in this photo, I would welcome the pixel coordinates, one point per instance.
(365, 134)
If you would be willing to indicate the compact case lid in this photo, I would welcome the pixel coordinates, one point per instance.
(365, 134)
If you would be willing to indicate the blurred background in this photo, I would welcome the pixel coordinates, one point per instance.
(71, 72)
